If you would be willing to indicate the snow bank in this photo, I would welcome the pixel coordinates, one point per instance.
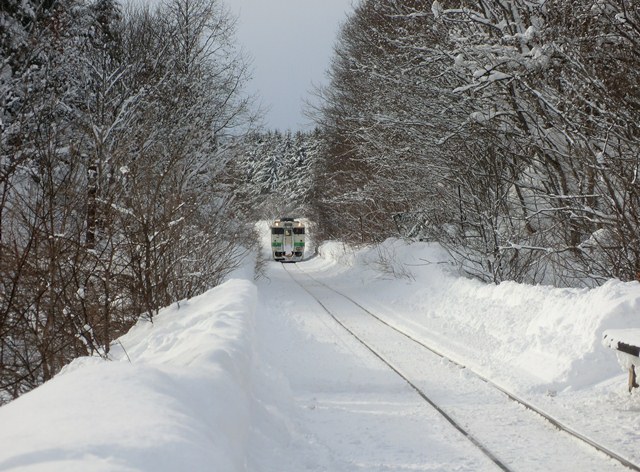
(337, 252)
(183, 394)
(175, 396)
(532, 337)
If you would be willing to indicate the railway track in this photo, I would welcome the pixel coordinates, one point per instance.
(575, 451)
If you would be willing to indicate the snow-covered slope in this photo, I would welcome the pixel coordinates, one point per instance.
(175, 397)
(535, 337)
(193, 392)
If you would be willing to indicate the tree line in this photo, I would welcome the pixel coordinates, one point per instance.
(114, 201)
(274, 173)
(506, 130)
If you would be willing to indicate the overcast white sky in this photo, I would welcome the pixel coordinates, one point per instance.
(290, 43)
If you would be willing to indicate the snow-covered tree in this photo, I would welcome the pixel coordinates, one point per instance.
(493, 127)
(113, 137)
(276, 173)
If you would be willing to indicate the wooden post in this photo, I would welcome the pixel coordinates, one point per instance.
(632, 378)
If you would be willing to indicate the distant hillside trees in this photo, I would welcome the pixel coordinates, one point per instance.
(276, 174)
(112, 200)
(506, 130)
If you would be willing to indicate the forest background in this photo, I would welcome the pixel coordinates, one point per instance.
(133, 167)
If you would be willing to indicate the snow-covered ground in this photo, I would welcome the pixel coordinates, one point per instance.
(252, 376)
(541, 343)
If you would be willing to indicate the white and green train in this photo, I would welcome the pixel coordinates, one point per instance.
(287, 240)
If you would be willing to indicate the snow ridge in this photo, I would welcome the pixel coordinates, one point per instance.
(174, 396)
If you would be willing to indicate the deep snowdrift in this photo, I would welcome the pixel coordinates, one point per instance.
(181, 393)
(537, 337)
(177, 399)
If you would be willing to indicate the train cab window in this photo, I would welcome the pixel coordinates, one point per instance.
(277, 230)
(287, 232)
(298, 230)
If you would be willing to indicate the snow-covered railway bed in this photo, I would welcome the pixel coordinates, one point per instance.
(480, 410)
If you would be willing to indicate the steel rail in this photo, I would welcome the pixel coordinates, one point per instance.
(529, 406)
(490, 455)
